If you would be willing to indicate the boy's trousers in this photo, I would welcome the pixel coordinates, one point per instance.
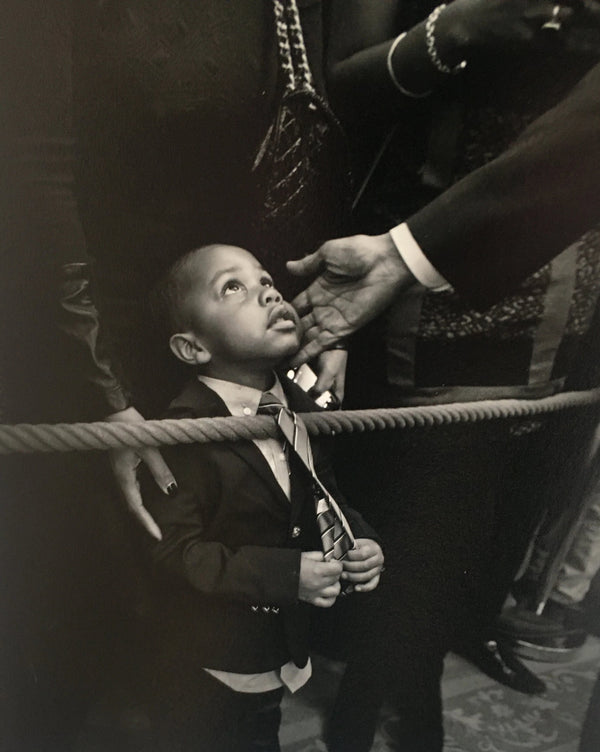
(192, 712)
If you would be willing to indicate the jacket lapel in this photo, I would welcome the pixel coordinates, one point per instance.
(198, 399)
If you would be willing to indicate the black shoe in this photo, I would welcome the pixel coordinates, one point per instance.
(551, 636)
(499, 663)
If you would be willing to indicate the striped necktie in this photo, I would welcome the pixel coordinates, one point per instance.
(336, 535)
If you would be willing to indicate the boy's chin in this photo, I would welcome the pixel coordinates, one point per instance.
(285, 352)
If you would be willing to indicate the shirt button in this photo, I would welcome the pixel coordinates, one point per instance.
(282, 456)
(247, 411)
(296, 531)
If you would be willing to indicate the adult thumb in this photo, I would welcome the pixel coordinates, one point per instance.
(306, 266)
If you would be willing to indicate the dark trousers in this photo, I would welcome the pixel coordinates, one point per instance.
(194, 712)
(436, 498)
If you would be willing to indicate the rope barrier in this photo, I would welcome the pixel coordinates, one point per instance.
(68, 437)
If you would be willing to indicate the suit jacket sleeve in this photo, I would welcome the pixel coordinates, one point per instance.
(505, 220)
(250, 574)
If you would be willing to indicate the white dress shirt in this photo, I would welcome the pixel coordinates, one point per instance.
(244, 400)
(415, 259)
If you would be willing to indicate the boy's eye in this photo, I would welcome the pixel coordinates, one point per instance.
(266, 282)
(231, 287)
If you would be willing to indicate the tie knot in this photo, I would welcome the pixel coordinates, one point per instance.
(269, 404)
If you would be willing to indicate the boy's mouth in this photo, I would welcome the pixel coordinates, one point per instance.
(282, 317)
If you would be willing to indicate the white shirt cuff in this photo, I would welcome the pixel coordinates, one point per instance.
(415, 259)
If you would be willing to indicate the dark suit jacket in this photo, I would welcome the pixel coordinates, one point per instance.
(504, 221)
(230, 555)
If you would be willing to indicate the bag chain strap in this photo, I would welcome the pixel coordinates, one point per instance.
(291, 48)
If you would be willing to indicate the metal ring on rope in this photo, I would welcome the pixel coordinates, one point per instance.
(67, 437)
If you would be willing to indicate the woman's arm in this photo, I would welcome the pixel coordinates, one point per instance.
(363, 32)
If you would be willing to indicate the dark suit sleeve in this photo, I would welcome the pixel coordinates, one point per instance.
(504, 221)
(249, 574)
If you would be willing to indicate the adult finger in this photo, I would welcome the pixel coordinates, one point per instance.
(306, 266)
(331, 367)
(308, 322)
(133, 498)
(124, 463)
(302, 302)
(307, 352)
(314, 341)
(340, 381)
(159, 470)
(147, 522)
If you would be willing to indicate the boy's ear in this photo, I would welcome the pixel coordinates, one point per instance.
(188, 348)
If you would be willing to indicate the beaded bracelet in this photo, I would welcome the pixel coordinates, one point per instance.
(392, 72)
(431, 46)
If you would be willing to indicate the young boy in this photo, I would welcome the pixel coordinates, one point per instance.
(242, 553)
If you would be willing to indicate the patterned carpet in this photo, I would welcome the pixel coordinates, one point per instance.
(480, 715)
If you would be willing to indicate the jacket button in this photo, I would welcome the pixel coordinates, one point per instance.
(296, 531)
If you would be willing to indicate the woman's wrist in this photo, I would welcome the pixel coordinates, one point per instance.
(451, 37)
(446, 62)
(394, 75)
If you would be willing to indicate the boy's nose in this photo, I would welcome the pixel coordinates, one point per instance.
(269, 295)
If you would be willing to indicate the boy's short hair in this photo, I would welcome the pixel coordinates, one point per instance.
(167, 296)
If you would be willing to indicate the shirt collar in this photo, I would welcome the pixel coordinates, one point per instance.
(241, 400)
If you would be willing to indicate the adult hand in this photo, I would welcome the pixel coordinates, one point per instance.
(358, 278)
(490, 25)
(124, 463)
(363, 565)
(331, 373)
(319, 580)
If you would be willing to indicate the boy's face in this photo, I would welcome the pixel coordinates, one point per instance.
(236, 312)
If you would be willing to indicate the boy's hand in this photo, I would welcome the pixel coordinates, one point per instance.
(319, 580)
(363, 565)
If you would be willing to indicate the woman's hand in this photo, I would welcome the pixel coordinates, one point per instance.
(496, 25)
(331, 373)
(124, 463)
